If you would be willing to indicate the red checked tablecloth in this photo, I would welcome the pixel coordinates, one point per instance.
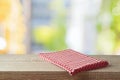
(73, 61)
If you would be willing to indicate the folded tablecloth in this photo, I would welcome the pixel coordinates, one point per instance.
(73, 61)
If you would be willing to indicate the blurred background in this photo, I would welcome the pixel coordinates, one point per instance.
(34, 26)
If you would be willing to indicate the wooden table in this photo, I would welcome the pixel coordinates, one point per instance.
(31, 67)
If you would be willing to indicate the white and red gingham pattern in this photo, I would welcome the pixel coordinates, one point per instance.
(73, 61)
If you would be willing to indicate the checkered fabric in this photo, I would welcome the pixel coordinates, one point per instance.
(73, 61)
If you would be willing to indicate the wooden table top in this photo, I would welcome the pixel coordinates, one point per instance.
(32, 67)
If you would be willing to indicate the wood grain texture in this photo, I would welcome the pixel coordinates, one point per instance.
(32, 67)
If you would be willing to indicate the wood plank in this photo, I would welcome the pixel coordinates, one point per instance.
(31, 67)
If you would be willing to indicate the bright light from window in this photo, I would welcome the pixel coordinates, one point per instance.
(2, 43)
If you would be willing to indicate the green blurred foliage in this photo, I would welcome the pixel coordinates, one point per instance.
(109, 36)
(53, 36)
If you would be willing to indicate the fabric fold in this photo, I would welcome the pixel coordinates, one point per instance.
(72, 61)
